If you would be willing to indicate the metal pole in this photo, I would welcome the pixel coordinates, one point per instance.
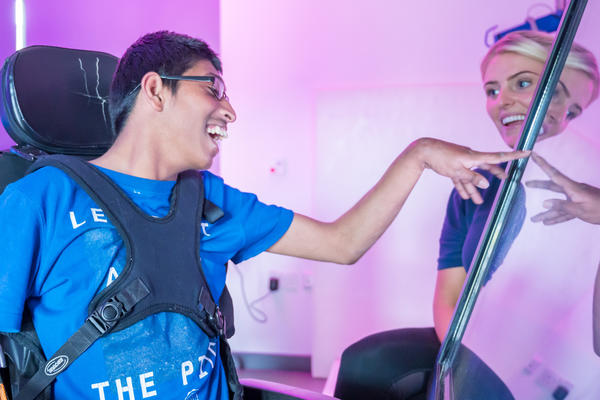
(506, 195)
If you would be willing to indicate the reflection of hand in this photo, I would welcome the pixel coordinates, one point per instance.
(457, 162)
(583, 201)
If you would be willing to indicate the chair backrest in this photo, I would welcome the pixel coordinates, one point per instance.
(54, 100)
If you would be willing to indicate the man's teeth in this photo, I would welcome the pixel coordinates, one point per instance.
(512, 118)
(217, 132)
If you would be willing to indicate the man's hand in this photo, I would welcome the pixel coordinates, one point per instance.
(582, 200)
(457, 162)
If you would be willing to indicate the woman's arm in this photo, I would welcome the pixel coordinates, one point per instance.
(448, 287)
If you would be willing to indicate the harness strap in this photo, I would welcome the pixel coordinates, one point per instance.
(100, 322)
(212, 313)
(136, 294)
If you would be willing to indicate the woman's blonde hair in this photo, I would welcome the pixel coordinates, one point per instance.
(537, 45)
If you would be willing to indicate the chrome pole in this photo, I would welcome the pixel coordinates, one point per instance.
(500, 210)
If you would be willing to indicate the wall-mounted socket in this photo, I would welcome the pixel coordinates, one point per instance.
(273, 284)
(291, 281)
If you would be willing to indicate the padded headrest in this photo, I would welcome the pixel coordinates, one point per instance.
(56, 99)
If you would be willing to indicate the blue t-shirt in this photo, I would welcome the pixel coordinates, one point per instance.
(60, 250)
(464, 225)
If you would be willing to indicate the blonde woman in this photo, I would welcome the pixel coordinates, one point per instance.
(398, 364)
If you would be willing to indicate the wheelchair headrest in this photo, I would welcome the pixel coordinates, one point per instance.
(56, 99)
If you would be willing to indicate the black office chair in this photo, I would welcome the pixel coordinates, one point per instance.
(54, 101)
(399, 365)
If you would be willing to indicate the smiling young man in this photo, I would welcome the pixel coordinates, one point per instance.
(170, 110)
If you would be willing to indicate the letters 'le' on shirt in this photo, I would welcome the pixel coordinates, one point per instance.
(60, 250)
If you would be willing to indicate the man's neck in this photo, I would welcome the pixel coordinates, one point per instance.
(138, 155)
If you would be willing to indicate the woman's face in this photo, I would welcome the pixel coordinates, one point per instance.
(509, 83)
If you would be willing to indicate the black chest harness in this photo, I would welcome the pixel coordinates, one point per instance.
(163, 271)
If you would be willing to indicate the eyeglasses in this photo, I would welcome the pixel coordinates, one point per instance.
(217, 86)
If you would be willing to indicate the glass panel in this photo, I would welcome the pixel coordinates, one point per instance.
(523, 324)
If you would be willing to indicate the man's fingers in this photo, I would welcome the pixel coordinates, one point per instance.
(494, 169)
(467, 176)
(548, 185)
(473, 193)
(495, 158)
(467, 182)
(466, 190)
(478, 180)
(488, 161)
(462, 192)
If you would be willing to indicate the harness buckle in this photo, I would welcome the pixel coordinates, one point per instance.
(106, 316)
(96, 320)
(217, 321)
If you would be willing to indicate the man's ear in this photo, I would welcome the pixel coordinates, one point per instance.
(153, 91)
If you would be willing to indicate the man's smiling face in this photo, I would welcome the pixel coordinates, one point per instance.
(197, 118)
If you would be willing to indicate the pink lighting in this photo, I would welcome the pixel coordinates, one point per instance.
(327, 94)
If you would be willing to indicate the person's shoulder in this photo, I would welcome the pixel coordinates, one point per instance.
(47, 174)
(216, 188)
(211, 179)
(42, 182)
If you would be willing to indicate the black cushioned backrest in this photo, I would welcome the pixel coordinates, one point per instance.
(55, 99)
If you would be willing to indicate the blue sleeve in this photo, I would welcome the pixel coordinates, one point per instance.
(454, 232)
(20, 226)
(261, 225)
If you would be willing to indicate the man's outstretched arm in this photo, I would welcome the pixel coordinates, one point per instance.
(346, 239)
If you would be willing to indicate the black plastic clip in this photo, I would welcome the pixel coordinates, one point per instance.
(217, 321)
(106, 316)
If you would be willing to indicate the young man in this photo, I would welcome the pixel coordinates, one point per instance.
(169, 108)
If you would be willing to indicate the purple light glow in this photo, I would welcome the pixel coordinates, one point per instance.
(20, 26)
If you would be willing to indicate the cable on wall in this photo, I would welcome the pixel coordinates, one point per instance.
(256, 313)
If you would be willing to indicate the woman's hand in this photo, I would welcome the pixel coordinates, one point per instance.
(582, 200)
